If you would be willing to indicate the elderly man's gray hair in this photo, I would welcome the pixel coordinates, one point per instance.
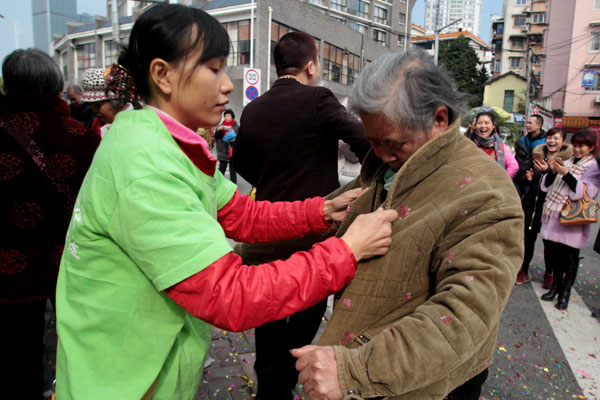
(76, 88)
(406, 88)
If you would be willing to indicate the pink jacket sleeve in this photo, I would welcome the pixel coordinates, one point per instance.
(237, 297)
(512, 166)
(246, 220)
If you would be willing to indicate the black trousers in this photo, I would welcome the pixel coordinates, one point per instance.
(275, 366)
(223, 168)
(22, 349)
(530, 238)
(471, 389)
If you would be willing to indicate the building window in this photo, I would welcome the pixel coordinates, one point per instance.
(111, 52)
(509, 100)
(338, 5)
(379, 37)
(497, 65)
(338, 19)
(520, 2)
(339, 65)
(360, 8)
(596, 4)
(515, 62)
(595, 42)
(380, 15)
(86, 58)
(402, 19)
(539, 18)
(520, 20)
(401, 41)
(239, 34)
(358, 27)
(316, 2)
(517, 43)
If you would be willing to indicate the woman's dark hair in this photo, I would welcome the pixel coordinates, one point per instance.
(484, 113)
(165, 31)
(230, 112)
(31, 71)
(293, 51)
(554, 130)
(586, 137)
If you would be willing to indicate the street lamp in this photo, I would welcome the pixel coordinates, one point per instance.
(16, 30)
(437, 39)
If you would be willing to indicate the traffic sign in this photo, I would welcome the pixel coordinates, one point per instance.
(252, 76)
(251, 93)
(251, 84)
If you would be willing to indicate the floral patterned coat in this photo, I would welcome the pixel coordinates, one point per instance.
(38, 183)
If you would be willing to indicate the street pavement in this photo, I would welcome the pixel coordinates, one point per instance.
(541, 353)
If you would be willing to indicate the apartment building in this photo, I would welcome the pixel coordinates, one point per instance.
(571, 66)
(439, 13)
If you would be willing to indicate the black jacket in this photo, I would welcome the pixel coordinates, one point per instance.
(287, 145)
(524, 149)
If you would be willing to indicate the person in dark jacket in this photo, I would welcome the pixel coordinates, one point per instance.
(524, 149)
(287, 147)
(44, 156)
(533, 200)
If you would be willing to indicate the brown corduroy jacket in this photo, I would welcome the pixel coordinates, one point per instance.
(423, 319)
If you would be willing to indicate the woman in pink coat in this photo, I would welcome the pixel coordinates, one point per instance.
(486, 137)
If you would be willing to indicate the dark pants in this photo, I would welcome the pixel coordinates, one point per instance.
(223, 168)
(530, 238)
(471, 389)
(561, 259)
(275, 366)
(22, 349)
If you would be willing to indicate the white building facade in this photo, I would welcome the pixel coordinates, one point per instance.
(439, 13)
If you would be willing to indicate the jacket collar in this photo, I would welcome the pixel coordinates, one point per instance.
(430, 157)
(192, 144)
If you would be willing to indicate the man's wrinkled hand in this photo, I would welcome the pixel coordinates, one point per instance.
(318, 372)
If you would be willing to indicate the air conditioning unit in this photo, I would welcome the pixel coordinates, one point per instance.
(597, 99)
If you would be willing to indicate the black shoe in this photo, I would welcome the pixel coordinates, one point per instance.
(551, 294)
(563, 298)
(596, 314)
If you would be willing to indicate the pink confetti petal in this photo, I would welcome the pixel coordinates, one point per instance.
(347, 302)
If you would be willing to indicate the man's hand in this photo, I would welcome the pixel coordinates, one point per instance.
(318, 372)
(335, 210)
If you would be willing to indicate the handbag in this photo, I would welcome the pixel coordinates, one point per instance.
(579, 212)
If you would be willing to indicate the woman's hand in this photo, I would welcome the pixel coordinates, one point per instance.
(540, 165)
(335, 210)
(558, 166)
(529, 174)
(370, 234)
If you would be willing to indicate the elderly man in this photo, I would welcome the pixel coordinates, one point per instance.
(420, 322)
(80, 110)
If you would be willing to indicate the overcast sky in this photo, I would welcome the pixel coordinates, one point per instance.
(17, 17)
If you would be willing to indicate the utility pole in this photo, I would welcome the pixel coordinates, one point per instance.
(528, 71)
(114, 12)
(437, 39)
